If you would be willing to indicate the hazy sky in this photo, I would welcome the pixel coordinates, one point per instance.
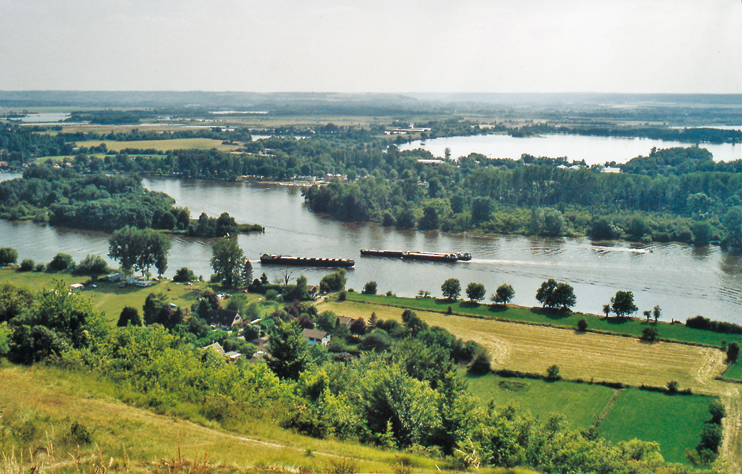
(678, 46)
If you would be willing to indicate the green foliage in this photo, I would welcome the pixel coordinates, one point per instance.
(733, 352)
(503, 294)
(184, 274)
(8, 255)
(623, 303)
(27, 265)
(129, 316)
(288, 349)
(333, 281)
(369, 288)
(139, 249)
(475, 291)
(552, 373)
(582, 324)
(553, 294)
(451, 289)
(227, 261)
(91, 265)
(60, 262)
(481, 363)
(650, 333)
(13, 301)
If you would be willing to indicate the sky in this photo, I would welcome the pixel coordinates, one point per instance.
(396, 46)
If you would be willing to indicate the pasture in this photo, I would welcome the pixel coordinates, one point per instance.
(734, 371)
(674, 421)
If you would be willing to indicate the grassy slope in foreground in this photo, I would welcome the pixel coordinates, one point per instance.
(632, 327)
(674, 421)
(45, 401)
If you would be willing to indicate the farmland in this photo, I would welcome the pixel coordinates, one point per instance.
(161, 145)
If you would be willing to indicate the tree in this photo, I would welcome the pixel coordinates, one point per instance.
(733, 352)
(8, 255)
(333, 281)
(369, 288)
(91, 265)
(607, 309)
(139, 249)
(553, 294)
(247, 273)
(227, 260)
(288, 349)
(552, 373)
(61, 261)
(184, 274)
(650, 334)
(451, 289)
(623, 303)
(503, 294)
(480, 364)
(152, 306)
(26, 265)
(656, 312)
(358, 327)
(128, 316)
(475, 291)
(412, 322)
(582, 324)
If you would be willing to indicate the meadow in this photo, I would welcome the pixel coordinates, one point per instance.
(734, 372)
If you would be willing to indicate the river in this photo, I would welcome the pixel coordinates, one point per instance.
(594, 150)
(683, 280)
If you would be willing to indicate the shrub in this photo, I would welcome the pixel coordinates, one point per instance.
(672, 387)
(184, 274)
(733, 352)
(650, 334)
(369, 288)
(480, 365)
(40, 267)
(343, 295)
(552, 373)
(91, 265)
(8, 255)
(582, 324)
(61, 261)
(26, 265)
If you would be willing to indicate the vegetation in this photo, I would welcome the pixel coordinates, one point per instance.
(451, 289)
(227, 261)
(139, 249)
(553, 294)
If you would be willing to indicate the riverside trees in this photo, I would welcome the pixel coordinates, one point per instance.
(553, 294)
(227, 260)
(139, 249)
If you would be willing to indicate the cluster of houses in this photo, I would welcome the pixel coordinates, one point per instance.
(228, 320)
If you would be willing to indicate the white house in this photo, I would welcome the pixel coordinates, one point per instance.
(316, 337)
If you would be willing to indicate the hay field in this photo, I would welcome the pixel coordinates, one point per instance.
(162, 145)
(586, 356)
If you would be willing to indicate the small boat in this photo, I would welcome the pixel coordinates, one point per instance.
(266, 259)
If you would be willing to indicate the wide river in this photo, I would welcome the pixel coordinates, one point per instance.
(594, 150)
(683, 280)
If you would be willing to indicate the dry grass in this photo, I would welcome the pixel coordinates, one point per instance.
(586, 356)
(162, 145)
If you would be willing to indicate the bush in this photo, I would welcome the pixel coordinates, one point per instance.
(8, 255)
(91, 265)
(481, 364)
(26, 265)
(343, 295)
(650, 334)
(733, 352)
(40, 267)
(582, 324)
(552, 373)
(271, 294)
(61, 261)
(369, 288)
(184, 274)
(672, 387)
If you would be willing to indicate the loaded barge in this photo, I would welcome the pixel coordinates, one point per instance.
(266, 259)
(429, 256)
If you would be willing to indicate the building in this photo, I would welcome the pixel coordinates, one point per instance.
(316, 337)
(223, 318)
(346, 321)
(77, 286)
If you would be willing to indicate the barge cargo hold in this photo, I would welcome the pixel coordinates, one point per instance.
(266, 259)
(382, 253)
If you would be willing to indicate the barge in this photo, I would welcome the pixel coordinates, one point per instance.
(266, 259)
(430, 256)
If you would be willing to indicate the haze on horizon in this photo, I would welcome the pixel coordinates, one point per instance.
(356, 46)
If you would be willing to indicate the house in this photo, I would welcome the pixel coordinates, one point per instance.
(313, 290)
(343, 320)
(138, 281)
(114, 277)
(77, 286)
(223, 318)
(316, 337)
(217, 347)
(231, 355)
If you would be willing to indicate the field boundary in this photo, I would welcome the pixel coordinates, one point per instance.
(607, 409)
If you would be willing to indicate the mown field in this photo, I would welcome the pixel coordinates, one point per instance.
(45, 402)
(632, 327)
(162, 145)
(674, 421)
(587, 356)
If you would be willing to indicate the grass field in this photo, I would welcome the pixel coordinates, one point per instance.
(633, 327)
(586, 356)
(582, 404)
(674, 421)
(44, 401)
(734, 372)
(110, 298)
(162, 145)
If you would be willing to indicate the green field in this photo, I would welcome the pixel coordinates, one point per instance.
(110, 298)
(634, 327)
(581, 404)
(674, 421)
(162, 145)
(734, 372)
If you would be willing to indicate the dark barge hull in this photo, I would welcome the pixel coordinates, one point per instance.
(382, 253)
(305, 261)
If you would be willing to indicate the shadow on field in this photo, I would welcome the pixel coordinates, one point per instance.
(498, 308)
(553, 314)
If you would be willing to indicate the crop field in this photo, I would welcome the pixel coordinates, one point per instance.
(44, 401)
(582, 404)
(633, 327)
(586, 356)
(162, 145)
(674, 421)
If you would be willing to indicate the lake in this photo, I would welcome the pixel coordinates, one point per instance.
(594, 150)
(683, 280)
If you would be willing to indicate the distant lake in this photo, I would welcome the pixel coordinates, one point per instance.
(594, 150)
